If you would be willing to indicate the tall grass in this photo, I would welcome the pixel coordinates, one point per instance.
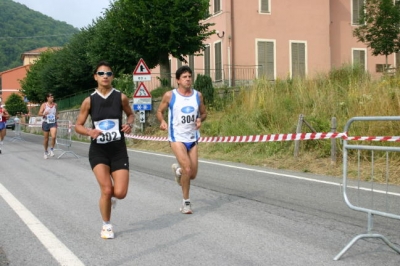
(274, 108)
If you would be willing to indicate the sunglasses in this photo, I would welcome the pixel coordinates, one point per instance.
(102, 73)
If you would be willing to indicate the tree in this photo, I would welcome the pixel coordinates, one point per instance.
(15, 104)
(156, 29)
(32, 84)
(379, 28)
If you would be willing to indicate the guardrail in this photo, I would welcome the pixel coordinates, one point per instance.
(381, 197)
(63, 140)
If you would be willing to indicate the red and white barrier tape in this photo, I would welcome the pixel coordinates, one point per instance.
(277, 137)
(271, 137)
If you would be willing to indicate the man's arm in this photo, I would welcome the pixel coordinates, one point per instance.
(202, 111)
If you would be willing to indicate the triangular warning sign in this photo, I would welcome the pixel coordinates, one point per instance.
(141, 92)
(141, 68)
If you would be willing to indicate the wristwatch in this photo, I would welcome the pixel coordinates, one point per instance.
(130, 125)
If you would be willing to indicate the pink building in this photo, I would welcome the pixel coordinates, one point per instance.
(10, 79)
(277, 39)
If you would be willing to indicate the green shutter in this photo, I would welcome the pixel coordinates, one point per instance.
(266, 60)
(218, 61)
(191, 62)
(359, 58)
(217, 6)
(207, 65)
(264, 6)
(358, 6)
(298, 60)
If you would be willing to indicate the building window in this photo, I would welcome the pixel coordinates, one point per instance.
(358, 9)
(178, 63)
(266, 59)
(191, 62)
(265, 6)
(217, 6)
(207, 60)
(298, 59)
(359, 58)
(218, 61)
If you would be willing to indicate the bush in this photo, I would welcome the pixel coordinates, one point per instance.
(204, 85)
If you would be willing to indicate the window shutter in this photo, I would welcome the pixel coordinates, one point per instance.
(298, 60)
(266, 60)
(191, 62)
(218, 61)
(359, 58)
(264, 6)
(207, 65)
(358, 6)
(217, 6)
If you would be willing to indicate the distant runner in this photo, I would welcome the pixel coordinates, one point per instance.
(49, 126)
(4, 115)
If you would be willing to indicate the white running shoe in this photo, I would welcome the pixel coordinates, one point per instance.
(107, 232)
(46, 155)
(51, 153)
(175, 167)
(186, 208)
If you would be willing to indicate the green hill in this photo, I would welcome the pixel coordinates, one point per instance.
(23, 29)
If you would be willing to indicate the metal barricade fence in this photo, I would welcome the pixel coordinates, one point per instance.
(63, 138)
(373, 192)
(17, 130)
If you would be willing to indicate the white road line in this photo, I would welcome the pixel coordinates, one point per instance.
(54, 246)
(285, 175)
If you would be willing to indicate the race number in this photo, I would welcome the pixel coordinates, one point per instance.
(51, 119)
(110, 130)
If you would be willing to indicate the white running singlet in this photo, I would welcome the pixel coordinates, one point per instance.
(182, 114)
(51, 113)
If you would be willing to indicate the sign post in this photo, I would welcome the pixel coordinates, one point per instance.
(141, 97)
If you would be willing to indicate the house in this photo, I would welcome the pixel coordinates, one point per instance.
(279, 39)
(10, 79)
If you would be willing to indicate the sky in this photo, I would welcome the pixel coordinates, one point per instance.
(78, 13)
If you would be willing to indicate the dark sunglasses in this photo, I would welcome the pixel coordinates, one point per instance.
(102, 73)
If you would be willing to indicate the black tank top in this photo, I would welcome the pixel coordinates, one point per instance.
(109, 107)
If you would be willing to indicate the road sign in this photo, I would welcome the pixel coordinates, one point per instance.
(142, 116)
(141, 72)
(141, 98)
(141, 92)
(141, 106)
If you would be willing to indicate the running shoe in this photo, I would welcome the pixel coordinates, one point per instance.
(186, 208)
(107, 232)
(51, 153)
(46, 155)
(175, 167)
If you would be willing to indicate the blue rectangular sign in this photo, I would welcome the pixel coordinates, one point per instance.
(138, 107)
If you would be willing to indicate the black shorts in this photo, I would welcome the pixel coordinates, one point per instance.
(113, 154)
(46, 127)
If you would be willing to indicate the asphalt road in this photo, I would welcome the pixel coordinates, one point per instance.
(243, 215)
